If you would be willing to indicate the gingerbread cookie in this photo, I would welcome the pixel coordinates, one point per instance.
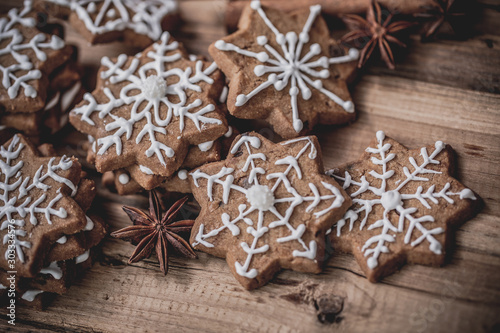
(266, 207)
(134, 179)
(137, 22)
(27, 57)
(405, 205)
(280, 69)
(64, 92)
(36, 204)
(148, 109)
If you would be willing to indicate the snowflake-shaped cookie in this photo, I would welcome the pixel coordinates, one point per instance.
(266, 207)
(280, 69)
(36, 207)
(148, 109)
(404, 201)
(26, 57)
(138, 22)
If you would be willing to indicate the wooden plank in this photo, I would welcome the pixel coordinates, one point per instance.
(475, 65)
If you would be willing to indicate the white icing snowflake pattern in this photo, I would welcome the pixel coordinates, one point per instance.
(261, 199)
(153, 93)
(115, 15)
(17, 207)
(12, 51)
(287, 67)
(396, 200)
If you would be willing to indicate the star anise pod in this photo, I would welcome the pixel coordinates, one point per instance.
(374, 31)
(437, 15)
(156, 231)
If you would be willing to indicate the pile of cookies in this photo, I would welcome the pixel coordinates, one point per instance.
(40, 78)
(164, 119)
(48, 235)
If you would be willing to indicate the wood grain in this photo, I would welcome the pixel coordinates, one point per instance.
(446, 90)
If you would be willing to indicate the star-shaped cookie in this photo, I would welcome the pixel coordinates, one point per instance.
(405, 203)
(266, 207)
(148, 109)
(137, 22)
(36, 207)
(281, 69)
(27, 57)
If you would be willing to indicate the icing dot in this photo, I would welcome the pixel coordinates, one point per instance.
(391, 200)
(304, 37)
(229, 132)
(123, 179)
(154, 87)
(205, 146)
(372, 263)
(316, 49)
(259, 70)
(298, 125)
(279, 85)
(262, 40)
(316, 9)
(260, 197)
(380, 136)
(182, 174)
(220, 44)
(240, 100)
(291, 37)
(306, 93)
(467, 194)
(56, 43)
(262, 57)
(324, 74)
(91, 8)
(294, 91)
(318, 84)
(255, 4)
(435, 247)
(348, 106)
(439, 145)
(280, 39)
(354, 53)
(111, 13)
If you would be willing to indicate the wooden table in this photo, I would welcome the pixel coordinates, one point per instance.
(443, 90)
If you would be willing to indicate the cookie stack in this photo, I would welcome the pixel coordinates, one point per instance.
(40, 77)
(48, 235)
